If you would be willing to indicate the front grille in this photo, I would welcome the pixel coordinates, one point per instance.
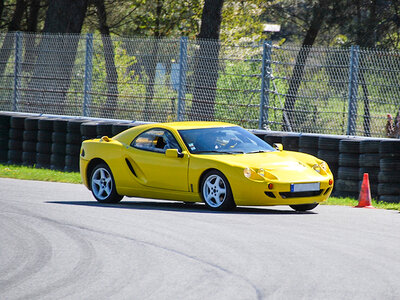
(300, 194)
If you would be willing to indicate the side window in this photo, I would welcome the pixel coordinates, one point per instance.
(156, 140)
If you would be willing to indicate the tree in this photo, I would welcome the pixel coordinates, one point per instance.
(57, 53)
(109, 53)
(206, 69)
(319, 12)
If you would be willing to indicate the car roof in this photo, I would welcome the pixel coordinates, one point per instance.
(195, 124)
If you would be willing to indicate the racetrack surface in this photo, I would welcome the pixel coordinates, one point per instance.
(57, 242)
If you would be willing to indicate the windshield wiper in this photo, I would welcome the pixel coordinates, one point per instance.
(215, 151)
(258, 151)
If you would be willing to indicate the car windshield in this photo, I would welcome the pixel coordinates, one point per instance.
(223, 140)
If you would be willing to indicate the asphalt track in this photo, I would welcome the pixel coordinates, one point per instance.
(56, 242)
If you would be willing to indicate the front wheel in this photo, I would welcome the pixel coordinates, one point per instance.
(103, 185)
(216, 191)
(304, 207)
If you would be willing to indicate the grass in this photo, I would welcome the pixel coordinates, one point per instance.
(31, 173)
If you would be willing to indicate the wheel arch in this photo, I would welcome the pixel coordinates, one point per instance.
(204, 174)
(92, 164)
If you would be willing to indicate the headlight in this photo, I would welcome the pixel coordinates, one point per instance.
(321, 166)
(247, 172)
(261, 172)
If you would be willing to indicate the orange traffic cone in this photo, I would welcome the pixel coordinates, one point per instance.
(364, 200)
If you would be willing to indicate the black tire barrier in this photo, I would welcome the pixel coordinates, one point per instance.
(388, 189)
(3, 156)
(390, 198)
(57, 161)
(291, 142)
(73, 138)
(71, 163)
(60, 125)
(390, 164)
(119, 127)
(28, 146)
(104, 129)
(347, 188)
(369, 160)
(349, 173)
(42, 160)
(349, 146)
(73, 149)
(389, 148)
(308, 141)
(44, 136)
(389, 177)
(58, 148)
(28, 158)
(43, 148)
(14, 157)
(31, 124)
(274, 137)
(348, 160)
(329, 143)
(45, 124)
(372, 174)
(5, 121)
(16, 134)
(331, 157)
(4, 143)
(30, 135)
(369, 146)
(17, 122)
(59, 137)
(15, 144)
(89, 129)
(75, 125)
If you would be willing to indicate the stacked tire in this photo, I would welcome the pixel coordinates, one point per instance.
(88, 130)
(328, 150)
(16, 138)
(290, 141)
(119, 127)
(4, 136)
(389, 176)
(308, 143)
(348, 182)
(273, 137)
(369, 163)
(44, 142)
(74, 141)
(30, 141)
(59, 144)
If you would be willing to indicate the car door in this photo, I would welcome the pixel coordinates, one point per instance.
(147, 152)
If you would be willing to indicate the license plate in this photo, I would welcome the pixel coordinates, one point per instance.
(305, 187)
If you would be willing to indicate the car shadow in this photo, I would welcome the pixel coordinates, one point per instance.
(183, 207)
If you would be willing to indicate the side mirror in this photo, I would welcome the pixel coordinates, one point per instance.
(278, 146)
(173, 153)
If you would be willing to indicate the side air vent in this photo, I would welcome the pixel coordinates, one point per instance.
(130, 167)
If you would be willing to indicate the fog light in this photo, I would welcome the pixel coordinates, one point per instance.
(270, 186)
(330, 181)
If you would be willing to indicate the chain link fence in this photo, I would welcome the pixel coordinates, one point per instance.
(290, 88)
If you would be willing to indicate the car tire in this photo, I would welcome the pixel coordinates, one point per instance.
(216, 191)
(102, 185)
(304, 207)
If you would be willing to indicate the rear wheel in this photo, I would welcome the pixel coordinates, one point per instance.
(103, 185)
(304, 207)
(216, 191)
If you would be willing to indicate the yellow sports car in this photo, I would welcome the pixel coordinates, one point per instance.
(221, 164)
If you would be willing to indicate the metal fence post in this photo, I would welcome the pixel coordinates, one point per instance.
(17, 70)
(353, 89)
(182, 78)
(265, 83)
(88, 75)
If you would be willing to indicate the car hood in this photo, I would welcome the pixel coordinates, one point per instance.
(280, 165)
